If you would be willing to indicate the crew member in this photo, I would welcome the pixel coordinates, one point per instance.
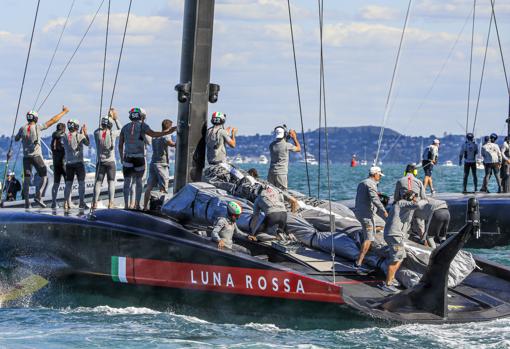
(12, 187)
(253, 172)
(368, 205)
(106, 165)
(225, 229)
(73, 147)
(492, 162)
(279, 150)
(216, 138)
(132, 152)
(270, 202)
(429, 159)
(468, 152)
(409, 182)
(58, 156)
(158, 169)
(505, 166)
(430, 222)
(32, 153)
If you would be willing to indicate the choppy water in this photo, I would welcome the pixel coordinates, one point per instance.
(112, 326)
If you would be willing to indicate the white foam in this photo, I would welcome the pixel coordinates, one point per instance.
(106, 310)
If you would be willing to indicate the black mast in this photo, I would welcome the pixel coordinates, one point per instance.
(194, 91)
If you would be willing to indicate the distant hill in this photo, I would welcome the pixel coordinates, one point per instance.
(343, 142)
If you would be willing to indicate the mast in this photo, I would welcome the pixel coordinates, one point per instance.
(194, 91)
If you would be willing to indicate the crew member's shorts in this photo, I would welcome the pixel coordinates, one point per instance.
(367, 229)
(133, 166)
(158, 176)
(427, 167)
(278, 180)
(59, 170)
(37, 162)
(107, 169)
(77, 169)
(397, 252)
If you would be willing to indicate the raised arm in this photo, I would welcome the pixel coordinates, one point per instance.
(293, 135)
(231, 133)
(86, 140)
(156, 134)
(56, 118)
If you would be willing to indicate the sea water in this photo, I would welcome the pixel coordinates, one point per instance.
(111, 326)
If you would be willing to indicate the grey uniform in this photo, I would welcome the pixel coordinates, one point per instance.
(215, 139)
(73, 145)
(368, 204)
(279, 167)
(105, 143)
(431, 153)
(397, 228)
(468, 152)
(491, 153)
(505, 168)
(30, 134)
(269, 201)
(224, 229)
(409, 182)
(158, 171)
(423, 214)
(134, 139)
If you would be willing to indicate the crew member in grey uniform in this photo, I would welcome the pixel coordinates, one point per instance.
(216, 137)
(408, 197)
(225, 229)
(368, 205)
(279, 150)
(73, 146)
(30, 134)
(492, 159)
(430, 222)
(271, 202)
(429, 159)
(132, 152)
(106, 165)
(505, 166)
(468, 152)
(158, 170)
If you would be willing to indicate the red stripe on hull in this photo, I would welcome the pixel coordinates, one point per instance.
(130, 270)
(242, 281)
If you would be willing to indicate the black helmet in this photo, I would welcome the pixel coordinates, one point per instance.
(470, 136)
(61, 127)
(411, 168)
(32, 116)
(493, 137)
(137, 114)
(73, 125)
(106, 122)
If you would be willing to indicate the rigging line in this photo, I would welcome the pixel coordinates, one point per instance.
(390, 92)
(320, 3)
(483, 72)
(493, 2)
(471, 64)
(54, 54)
(326, 140)
(431, 88)
(104, 61)
(72, 56)
(9, 152)
(299, 98)
(120, 54)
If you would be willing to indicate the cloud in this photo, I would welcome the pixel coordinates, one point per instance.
(375, 12)
(10, 39)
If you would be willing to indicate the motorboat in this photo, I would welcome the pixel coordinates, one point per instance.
(263, 160)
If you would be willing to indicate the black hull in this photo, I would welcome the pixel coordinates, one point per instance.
(143, 259)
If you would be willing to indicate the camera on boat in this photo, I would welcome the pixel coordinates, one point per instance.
(214, 89)
(183, 91)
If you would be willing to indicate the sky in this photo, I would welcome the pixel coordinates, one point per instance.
(252, 61)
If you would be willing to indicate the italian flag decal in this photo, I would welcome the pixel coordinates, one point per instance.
(122, 269)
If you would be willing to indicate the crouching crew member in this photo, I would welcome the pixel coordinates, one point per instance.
(430, 222)
(272, 204)
(132, 153)
(492, 162)
(73, 146)
(468, 152)
(158, 170)
(216, 137)
(58, 157)
(225, 229)
(368, 205)
(30, 134)
(279, 150)
(106, 165)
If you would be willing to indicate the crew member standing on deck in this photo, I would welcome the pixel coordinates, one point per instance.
(132, 152)
(492, 162)
(58, 157)
(279, 150)
(158, 169)
(505, 166)
(368, 205)
(216, 138)
(468, 152)
(73, 146)
(32, 153)
(429, 159)
(106, 165)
